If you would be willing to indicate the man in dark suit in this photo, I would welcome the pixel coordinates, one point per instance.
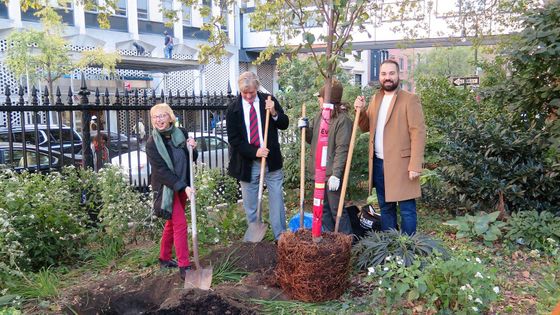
(245, 121)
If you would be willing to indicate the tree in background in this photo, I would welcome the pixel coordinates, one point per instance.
(445, 62)
(45, 54)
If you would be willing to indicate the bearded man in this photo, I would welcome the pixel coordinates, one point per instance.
(397, 135)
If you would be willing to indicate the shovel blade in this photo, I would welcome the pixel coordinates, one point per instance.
(255, 232)
(200, 279)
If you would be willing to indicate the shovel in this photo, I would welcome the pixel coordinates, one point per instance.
(198, 278)
(256, 230)
(302, 173)
(347, 171)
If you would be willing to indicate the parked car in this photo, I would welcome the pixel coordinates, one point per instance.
(61, 139)
(47, 160)
(213, 150)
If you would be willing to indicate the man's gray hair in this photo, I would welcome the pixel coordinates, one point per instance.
(247, 80)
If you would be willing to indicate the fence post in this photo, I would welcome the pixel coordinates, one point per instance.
(86, 118)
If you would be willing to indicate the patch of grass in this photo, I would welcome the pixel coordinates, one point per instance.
(225, 271)
(293, 307)
(108, 253)
(142, 256)
(43, 284)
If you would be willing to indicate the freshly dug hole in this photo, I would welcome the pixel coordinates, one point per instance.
(312, 272)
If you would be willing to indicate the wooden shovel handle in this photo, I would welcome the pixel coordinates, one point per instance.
(347, 171)
(302, 172)
(263, 162)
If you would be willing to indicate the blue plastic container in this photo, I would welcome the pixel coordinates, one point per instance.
(307, 221)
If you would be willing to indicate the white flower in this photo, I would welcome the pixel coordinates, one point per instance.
(388, 258)
(463, 288)
(478, 260)
(389, 289)
(474, 308)
(380, 282)
(496, 290)
(551, 240)
(478, 300)
(478, 275)
(371, 270)
(468, 259)
(469, 297)
(386, 269)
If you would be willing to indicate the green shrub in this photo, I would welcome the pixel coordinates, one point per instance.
(459, 286)
(486, 158)
(42, 220)
(396, 282)
(533, 228)
(375, 247)
(483, 226)
(46, 218)
(218, 216)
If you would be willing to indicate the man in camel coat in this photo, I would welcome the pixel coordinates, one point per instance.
(397, 139)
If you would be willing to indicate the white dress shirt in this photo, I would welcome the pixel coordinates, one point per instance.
(247, 117)
(380, 127)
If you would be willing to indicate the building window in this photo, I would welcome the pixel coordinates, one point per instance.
(358, 79)
(187, 15)
(208, 4)
(224, 13)
(121, 8)
(401, 64)
(142, 9)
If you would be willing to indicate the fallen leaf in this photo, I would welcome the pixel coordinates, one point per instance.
(526, 274)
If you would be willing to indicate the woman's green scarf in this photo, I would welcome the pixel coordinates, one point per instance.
(178, 141)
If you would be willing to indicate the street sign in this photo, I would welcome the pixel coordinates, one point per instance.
(465, 81)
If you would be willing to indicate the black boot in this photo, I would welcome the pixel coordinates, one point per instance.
(183, 271)
(168, 263)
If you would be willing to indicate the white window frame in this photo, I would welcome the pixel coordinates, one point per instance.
(147, 18)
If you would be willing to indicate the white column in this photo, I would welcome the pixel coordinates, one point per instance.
(79, 17)
(234, 71)
(178, 25)
(132, 18)
(14, 12)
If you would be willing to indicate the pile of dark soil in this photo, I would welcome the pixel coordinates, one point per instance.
(314, 272)
(161, 292)
(201, 302)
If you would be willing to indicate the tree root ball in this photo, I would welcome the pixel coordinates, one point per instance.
(312, 272)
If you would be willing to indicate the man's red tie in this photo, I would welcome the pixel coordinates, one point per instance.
(254, 127)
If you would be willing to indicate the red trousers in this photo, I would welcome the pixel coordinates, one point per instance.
(175, 232)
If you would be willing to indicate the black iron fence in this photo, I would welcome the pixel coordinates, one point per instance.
(39, 132)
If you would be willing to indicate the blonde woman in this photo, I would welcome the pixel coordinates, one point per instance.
(168, 156)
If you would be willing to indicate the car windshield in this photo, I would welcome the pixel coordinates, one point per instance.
(67, 135)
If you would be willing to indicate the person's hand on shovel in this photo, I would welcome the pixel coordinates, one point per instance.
(269, 105)
(189, 191)
(262, 153)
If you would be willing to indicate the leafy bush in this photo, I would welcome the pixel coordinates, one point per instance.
(375, 247)
(459, 286)
(218, 216)
(487, 157)
(45, 218)
(42, 220)
(397, 282)
(483, 226)
(533, 228)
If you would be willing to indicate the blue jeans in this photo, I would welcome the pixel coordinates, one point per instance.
(168, 51)
(250, 191)
(389, 209)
